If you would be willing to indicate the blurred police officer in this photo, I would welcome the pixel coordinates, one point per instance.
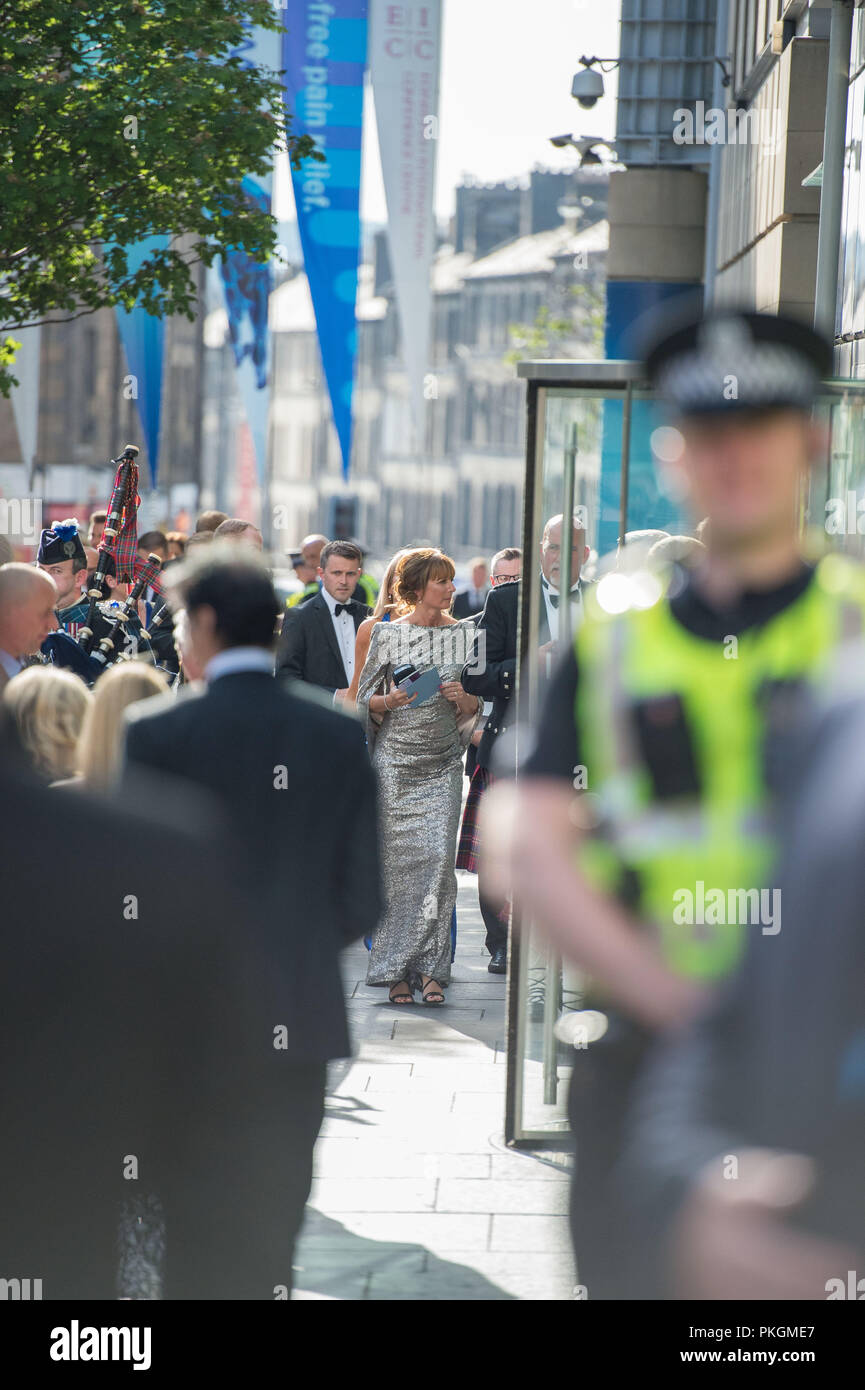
(670, 710)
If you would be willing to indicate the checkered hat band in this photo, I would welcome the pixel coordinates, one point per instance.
(759, 374)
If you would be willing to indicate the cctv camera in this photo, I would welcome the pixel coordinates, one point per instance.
(587, 87)
(560, 141)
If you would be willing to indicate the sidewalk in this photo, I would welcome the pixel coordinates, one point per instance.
(415, 1195)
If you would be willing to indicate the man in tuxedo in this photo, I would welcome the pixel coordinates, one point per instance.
(295, 779)
(550, 599)
(495, 680)
(135, 1031)
(318, 636)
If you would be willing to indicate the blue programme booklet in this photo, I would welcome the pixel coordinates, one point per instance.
(422, 684)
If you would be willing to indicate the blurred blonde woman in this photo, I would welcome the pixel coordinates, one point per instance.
(383, 611)
(48, 707)
(102, 738)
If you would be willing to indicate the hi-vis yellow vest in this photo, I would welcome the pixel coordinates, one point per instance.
(699, 863)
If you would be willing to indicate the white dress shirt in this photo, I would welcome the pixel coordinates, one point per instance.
(553, 613)
(343, 626)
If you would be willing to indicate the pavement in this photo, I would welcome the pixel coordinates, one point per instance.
(415, 1194)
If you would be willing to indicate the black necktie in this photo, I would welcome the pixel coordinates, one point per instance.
(342, 608)
(554, 600)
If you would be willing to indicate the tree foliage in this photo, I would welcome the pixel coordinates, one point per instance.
(551, 335)
(120, 120)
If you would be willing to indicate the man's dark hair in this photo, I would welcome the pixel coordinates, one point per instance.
(239, 591)
(510, 552)
(100, 515)
(208, 521)
(347, 550)
(153, 540)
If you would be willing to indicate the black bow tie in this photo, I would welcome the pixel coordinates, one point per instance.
(554, 598)
(342, 608)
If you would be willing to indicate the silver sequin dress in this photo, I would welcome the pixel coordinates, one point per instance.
(418, 757)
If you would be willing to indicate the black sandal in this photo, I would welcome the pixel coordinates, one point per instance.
(402, 998)
(429, 991)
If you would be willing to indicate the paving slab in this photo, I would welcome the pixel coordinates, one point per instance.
(438, 1232)
(502, 1195)
(374, 1194)
(415, 1198)
(530, 1233)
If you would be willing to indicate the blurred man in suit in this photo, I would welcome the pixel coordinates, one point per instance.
(135, 1030)
(296, 782)
(308, 568)
(471, 600)
(318, 636)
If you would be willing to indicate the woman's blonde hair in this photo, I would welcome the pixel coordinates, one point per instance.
(101, 739)
(414, 571)
(387, 593)
(48, 706)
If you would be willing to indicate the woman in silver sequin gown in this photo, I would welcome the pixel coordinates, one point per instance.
(417, 753)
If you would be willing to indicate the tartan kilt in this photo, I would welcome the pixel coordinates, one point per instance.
(469, 845)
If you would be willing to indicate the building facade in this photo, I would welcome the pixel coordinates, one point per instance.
(503, 287)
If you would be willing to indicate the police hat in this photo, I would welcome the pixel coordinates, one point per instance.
(735, 360)
(60, 542)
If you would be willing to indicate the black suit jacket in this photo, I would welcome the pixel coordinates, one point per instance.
(308, 649)
(134, 1022)
(295, 778)
(498, 679)
(465, 607)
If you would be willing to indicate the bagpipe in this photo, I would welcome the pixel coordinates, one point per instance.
(105, 636)
(107, 649)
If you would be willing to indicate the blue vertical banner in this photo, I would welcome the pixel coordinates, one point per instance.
(247, 283)
(143, 338)
(324, 56)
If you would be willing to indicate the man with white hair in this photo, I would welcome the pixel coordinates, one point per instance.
(27, 599)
